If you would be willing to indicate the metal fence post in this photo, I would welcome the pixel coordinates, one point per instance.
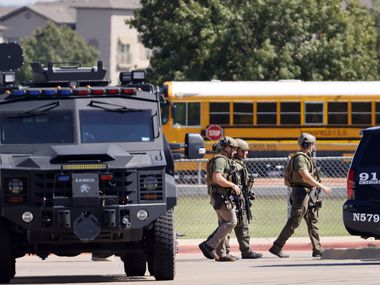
(199, 172)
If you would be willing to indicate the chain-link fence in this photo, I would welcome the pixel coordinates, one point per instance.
(195, 218)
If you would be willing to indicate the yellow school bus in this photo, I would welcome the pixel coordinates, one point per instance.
(270, 115)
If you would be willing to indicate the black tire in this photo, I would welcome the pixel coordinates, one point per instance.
(135, 264)
(7, 261)
(151, 266)
(163, 251)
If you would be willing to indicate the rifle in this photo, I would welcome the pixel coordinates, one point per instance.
(248, 195)
(316, 202)
(235, 199)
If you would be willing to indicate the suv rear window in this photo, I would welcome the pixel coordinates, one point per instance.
(371, 152)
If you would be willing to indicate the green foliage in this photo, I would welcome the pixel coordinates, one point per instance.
(258, 40)
(56, 44)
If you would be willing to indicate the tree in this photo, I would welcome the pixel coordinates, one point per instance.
(56, 44)
(258, 40)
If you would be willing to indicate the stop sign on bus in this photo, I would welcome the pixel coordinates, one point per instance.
(214, 132)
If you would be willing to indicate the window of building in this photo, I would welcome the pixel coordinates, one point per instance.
(243, 113)
(313, 113)
(290, 113)
(187, 114)
(220, 113)
(266, 113)
(337, 113)
(124, 53)
(361, 113)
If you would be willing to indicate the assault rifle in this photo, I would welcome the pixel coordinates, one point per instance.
(235, 199)
(248, 195)
(315, 200)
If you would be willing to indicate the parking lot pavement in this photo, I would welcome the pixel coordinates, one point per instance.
(192, 268)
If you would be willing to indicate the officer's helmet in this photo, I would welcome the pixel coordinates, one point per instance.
(228, 141)
(305, 139)
(242, 144)
(216, 147)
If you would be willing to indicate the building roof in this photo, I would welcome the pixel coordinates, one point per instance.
(6, 10)
(106, 4)
(58, 13)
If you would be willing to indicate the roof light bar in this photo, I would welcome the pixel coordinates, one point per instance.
(81, 91)
(128, 91)
(49, 92)
(98, 91)
(64, 92)
(113, 91)
(33, 92)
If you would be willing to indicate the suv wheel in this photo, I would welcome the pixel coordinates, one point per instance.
(7, 261)
(163, 253)
(134, 264)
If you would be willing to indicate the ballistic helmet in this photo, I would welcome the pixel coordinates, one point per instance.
(306, 139)
(216, 147)
(225, 141)
(242, 144)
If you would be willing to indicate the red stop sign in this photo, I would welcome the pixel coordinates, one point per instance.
(214, 132)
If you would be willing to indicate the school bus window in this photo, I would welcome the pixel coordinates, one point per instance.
(220, 113)
(313, 113)
(186, 114)
(164, 112)
(337, 113)
(361, 113)
(243, 113)
(290, 113)
(266, 113)
(377, 113)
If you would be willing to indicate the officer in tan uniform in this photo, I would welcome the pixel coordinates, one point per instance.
(220, 189)
(303, 181)
(242, 228)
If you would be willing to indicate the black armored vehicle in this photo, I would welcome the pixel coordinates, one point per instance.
(85, 167)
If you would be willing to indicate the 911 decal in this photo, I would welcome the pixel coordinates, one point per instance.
(368, 178)
(366, 217)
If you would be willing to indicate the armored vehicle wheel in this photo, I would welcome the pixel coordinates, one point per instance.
(151, 266)
(163, 252)
(134, 264)
(7, 262)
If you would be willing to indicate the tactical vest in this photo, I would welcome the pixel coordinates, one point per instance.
(242, 172)
(293, 178)
(211, 186)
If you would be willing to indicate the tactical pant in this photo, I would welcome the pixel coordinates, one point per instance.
(227, 220)
(299, 210)
(242, 236)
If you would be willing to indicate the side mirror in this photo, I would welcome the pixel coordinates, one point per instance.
(194, 146)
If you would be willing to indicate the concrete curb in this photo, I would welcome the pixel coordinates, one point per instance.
(294, 244)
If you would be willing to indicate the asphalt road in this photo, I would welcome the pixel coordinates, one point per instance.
(300, 268)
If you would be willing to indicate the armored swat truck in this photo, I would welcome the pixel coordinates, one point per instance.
(84, 167)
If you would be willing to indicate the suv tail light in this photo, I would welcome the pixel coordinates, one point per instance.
(351, 184)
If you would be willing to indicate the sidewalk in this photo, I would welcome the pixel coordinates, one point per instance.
(293, 244)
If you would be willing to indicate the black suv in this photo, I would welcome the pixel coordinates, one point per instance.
(361, 212)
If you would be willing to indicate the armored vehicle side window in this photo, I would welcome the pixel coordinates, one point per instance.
(54, 127)
(371, 155)
(109, 126)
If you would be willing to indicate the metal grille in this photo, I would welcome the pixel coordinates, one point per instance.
(152, 179)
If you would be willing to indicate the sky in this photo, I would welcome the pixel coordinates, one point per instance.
(18, 2)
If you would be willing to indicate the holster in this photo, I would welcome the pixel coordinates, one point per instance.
(218, 200)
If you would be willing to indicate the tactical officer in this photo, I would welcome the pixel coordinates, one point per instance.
(220, 189)
(303, 181)
(244, 215)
